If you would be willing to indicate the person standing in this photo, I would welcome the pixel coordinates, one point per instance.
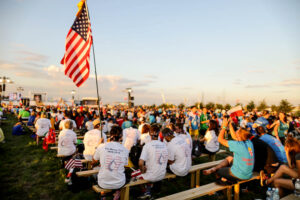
(204, 122)
(194, 123)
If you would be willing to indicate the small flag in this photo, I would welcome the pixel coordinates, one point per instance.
(236, 111)
(78, 44)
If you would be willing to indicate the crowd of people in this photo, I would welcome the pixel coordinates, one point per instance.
(145, 143)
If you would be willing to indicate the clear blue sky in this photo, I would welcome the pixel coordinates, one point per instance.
(220, 51)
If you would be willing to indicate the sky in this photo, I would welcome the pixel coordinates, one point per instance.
(183, 51)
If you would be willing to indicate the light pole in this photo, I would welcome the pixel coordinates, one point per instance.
(129, 90)
(3, 81)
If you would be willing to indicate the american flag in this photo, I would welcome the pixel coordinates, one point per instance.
(73, 163)
(78, 43)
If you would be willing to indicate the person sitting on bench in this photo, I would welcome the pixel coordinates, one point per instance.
(67, 140)
(179, 132)
(179, 153)
(292, 148)
(153, 160)
(113, 158)
(240, 166)
(42, 126)
(92, 139)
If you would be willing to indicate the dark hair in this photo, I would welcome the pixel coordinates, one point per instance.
(213, 125)
(260, 130)
(244, 134)
(193, 107)
(180, 126)
(154, 130)
(171, 126)
(167, 132)
(146, 128)
(115, 133)
(293, 146)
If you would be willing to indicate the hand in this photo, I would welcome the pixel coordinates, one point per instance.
(225, 122)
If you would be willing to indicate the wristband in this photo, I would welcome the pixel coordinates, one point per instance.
(224, 127)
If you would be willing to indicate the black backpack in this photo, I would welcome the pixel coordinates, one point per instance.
(135, 154)
(196, 148)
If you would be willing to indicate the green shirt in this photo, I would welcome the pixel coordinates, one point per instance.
(203, 118)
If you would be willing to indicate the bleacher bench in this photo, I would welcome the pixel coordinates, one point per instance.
(210, 189)
(290, 197)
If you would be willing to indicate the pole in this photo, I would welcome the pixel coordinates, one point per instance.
(96, 76)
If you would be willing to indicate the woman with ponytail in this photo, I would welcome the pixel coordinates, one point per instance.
(240, 166)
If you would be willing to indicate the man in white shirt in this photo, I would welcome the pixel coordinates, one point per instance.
(130, 137)
(42, 126)
(179, 132)
(113, 158)
(92, 139)
(66, 140)
(180, 160)
(153, 160)
(62, 122)
(89, 124)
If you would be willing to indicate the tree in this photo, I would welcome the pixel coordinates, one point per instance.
(250, 106)
(274, 108)
(262, 105)
(210, 105)
(219, 106)
(227, 106)
(199, 105)
(285, 106)
(181, 106)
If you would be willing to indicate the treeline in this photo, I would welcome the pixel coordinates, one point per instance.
(284, 106)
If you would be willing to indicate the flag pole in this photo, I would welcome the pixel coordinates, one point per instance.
(96, 76)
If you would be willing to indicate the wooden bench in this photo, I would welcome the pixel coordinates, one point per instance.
(194, 170)
(125, 189)
(210, 189)
(290, 197)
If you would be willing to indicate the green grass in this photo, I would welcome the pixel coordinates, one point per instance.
(28, 172)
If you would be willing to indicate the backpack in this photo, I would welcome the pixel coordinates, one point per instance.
(196, 148)
(135, 154)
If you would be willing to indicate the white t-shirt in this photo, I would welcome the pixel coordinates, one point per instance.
(211, 143)
(188, 139)
(60, 116)
(158, 119)
(130, 137)
(42, 126)
(113, 157)
(89, 125)
(155, 155)
(62, 124)
(130, 115)
(66, 142)
(180, 152)
(145, 138)
(91, 141)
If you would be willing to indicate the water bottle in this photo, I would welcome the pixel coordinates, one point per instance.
(297, 188)
(276, 195)
(269, 193)
(272, 193)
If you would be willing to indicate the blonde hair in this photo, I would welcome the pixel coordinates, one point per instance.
(68, 124)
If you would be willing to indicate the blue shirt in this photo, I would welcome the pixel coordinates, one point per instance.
(276, 146)
(194, 119)
(243, 158)
(151, 119)
(126, 124)
(31, 120)
(262, 122)
(17, 130)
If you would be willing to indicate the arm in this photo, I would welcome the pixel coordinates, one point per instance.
(232, 132)
(276, 131)
(298, 167)
(221, 138)
(142, 166)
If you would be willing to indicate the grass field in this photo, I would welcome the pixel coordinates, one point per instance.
(28, 172)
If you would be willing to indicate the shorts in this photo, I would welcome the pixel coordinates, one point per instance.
(194, 132)
(225, 172)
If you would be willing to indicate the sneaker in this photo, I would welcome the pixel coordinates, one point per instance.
(146, 195)
(263, 178)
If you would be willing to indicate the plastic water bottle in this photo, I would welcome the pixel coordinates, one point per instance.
(269, 193)
(276, 195)
(297, 188)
